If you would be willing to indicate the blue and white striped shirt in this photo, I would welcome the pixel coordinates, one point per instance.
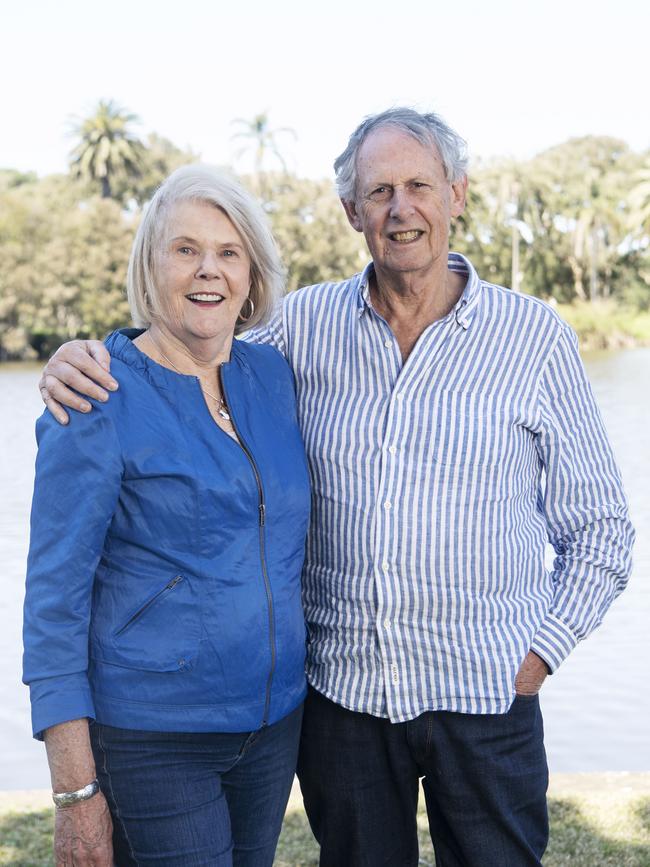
(436, 484)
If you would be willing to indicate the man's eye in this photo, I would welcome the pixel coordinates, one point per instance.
(380, 192)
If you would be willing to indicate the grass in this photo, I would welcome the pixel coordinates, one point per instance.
(605, 325)
(597, 820)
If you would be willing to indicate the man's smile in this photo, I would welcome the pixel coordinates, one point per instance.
(406, 237)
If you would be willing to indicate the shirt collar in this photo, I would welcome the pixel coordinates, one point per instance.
(466, 305)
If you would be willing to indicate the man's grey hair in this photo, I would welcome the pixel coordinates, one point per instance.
(200, 183)
(429, 129)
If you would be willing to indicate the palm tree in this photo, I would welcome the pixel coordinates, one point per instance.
(640, 198)
(107, 147)
(262, 139)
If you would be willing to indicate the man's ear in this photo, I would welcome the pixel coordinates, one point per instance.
(351, 212)
(458, 196)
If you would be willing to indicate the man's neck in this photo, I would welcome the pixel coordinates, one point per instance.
(410, 303)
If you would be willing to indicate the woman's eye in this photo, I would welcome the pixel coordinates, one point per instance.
(229, 253)
(186, 251)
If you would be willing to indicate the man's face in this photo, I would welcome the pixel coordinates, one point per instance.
(404, 203)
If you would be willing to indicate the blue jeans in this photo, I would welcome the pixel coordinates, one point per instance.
(188, 799)
(484, 781)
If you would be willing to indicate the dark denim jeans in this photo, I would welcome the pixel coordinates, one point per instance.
(190, 799)
(484, 780)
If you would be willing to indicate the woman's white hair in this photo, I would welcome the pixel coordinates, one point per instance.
(429, 129)
(200, 183)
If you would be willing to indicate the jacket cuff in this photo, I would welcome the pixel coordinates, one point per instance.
(553, 642)
(58, 700)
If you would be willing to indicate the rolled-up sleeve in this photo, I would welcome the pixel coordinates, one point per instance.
(78, 477)
(584, 505)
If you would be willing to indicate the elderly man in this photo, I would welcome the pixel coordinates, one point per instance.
(450, 432)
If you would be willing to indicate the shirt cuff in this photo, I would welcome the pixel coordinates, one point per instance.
(59, 699)
(553, 642)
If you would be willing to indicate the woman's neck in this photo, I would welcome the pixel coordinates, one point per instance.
(200, 358)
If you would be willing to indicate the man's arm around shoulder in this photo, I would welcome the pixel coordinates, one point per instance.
(80, 367)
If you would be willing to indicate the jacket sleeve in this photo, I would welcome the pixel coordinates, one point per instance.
(584, 505)
(77, 484)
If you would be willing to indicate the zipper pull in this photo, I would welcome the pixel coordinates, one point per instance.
(262, 514)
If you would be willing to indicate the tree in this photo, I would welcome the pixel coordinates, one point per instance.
(108, 151)
(315, 239)
(262, 140)
(63, 262)
(158, 159)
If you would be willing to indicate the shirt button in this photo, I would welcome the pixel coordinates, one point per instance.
(400, 397)
(388, 504)
(388, 343)
(386, 624)
(392, 449)
(384, 566)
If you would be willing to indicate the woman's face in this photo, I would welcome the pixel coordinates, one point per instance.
(202, 273)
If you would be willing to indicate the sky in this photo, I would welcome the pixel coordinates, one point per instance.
(512, 77)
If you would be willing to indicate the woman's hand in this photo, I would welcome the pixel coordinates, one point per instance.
(82, 365)
(83, 834)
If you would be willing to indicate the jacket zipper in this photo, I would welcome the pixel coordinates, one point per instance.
(138, 614)
(261, 523)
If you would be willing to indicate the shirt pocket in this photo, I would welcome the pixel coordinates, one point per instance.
(469, 433)
(160, 632)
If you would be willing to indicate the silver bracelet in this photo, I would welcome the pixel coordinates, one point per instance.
(66, 799)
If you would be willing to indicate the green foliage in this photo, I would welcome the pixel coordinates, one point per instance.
(159, 158)
(605, 325)
(568, 214)
(63, 266)
(571, 226)
(315, 239)
(26, 839)
(609, 828)
(107, 152)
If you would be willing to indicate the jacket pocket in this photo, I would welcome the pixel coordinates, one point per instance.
(160, 633)
(158, 596)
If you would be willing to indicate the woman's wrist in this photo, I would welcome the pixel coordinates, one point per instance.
(72, 765)
(68, 799)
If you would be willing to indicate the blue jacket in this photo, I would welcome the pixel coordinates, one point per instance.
(163, 581)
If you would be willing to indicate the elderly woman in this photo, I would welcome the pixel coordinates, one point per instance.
(164, 636)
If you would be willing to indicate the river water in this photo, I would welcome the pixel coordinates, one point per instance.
(596, 707)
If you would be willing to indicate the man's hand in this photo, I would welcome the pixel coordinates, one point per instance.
(531, 675)
(84, 366)
(83, 834)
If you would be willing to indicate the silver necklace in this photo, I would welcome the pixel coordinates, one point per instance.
(222, 406)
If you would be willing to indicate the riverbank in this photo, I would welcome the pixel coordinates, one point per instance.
(597, 820)
(604, 325)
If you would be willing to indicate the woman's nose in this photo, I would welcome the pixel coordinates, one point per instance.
(208, 267)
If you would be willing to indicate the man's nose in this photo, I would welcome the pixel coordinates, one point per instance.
(400, 203)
